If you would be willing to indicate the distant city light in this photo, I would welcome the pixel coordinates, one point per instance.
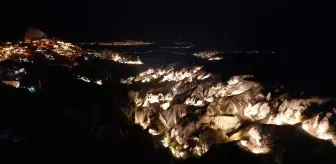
(209, 55)
(122, 43)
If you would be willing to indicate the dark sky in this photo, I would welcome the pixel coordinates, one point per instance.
(269, 24)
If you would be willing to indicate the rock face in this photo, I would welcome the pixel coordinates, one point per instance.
(34, 34)
(196, 112)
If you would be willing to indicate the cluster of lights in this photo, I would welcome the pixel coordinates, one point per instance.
(44, 46)
(123, 43)
(209, 55)
(159, 50)
(178, 47)
(59, 47)
(64, 49)
(137, 52)
(117, 57)
(24, 50)
(220, 107)
(252, 52)
(13, 83)
(86, 79)
(10, 49)
(183, 43)
(151, 51)
(167, 75)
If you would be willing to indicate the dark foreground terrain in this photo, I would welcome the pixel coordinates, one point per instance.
(69, 121)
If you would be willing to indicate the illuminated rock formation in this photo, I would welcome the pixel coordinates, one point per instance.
(34, 34)
(192, 110)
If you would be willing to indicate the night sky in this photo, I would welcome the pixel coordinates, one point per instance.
(264, 24)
